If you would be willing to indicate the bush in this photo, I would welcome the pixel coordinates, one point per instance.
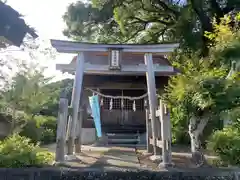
(32, 130)
(49, 126)
(48, 136)
(179, 124)
(17, 151)
(12, 123)
(41, 129)
(226, 144)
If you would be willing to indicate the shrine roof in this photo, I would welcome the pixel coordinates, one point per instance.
(76, 47)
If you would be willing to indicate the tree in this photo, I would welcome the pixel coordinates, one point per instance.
(51, 107)
(24, 97)
(27, 90)
(12, 27)
(141, 21)
(32, 52)
(203, 90)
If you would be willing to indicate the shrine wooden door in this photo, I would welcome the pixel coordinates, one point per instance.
(120, 112)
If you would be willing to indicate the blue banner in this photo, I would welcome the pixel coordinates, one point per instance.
(94, 104)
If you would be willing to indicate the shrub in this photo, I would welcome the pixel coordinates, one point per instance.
(226, 144)
(41, 129)
(45, 121)
(17, 151)
(48, 136)
(49, 129)
(13, 122)
(32, 130)
(179, 126)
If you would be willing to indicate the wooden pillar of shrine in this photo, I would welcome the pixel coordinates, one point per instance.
(76, 98)
(151, 86)
(166, 135)
(148, 128)
(61, 128)
(78, 140)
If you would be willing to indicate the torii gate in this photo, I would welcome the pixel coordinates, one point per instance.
(109, 59)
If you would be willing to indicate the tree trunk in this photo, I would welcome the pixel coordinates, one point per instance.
(196, 127)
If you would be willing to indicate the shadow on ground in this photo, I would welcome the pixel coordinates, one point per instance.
(116, 158)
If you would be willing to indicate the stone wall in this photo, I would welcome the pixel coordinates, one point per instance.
(93, 174)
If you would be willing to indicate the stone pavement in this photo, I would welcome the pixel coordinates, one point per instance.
(118, 157)
(103, 157)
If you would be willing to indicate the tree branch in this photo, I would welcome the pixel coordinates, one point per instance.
(156, 10)
(205, 20)
(216, 9)
(152, 21)
(167, 8)
(135, 34)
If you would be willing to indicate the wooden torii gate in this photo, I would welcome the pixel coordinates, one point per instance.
(113, 65)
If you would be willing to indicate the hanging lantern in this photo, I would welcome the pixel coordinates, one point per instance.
(134, 106)
(101, 102)
(111, 105)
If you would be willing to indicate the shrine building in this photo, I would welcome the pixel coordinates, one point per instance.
(123, 75)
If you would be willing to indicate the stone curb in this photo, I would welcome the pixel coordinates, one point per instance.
(55, 173)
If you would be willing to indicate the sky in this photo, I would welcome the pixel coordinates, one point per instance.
(46, 17)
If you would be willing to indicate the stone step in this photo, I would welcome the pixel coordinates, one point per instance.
(118, 138)
(122, 141)
(123, 129)
(122, 136)
(121, 132)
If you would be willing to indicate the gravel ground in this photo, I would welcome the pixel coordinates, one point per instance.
(181, 159)
(178, 161)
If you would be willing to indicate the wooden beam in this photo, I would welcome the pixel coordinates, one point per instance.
(150, 76)
(115, 85)
(114, 82)
(125, 69)
(75, 47)
(77, 89)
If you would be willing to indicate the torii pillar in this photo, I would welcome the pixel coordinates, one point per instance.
(151, 86)
(76, 98)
